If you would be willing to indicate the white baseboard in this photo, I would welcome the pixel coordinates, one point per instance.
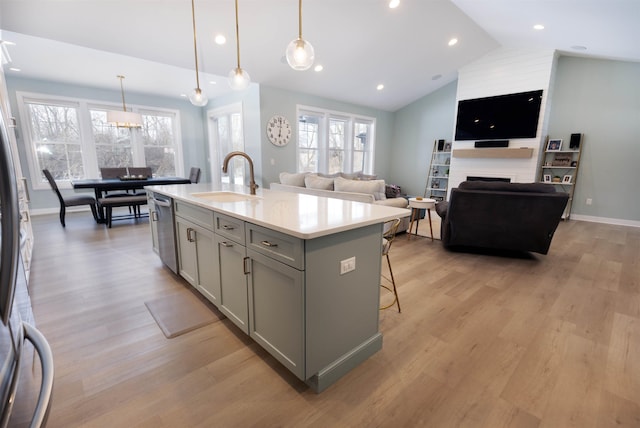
(606, 220)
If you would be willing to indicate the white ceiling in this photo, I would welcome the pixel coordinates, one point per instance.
(360, 43)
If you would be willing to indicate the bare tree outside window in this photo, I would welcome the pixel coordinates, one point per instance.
(331, 142)
(56, 139)
(113, 145)
(159, 144)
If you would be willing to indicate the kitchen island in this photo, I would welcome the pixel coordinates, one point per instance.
(298, 273)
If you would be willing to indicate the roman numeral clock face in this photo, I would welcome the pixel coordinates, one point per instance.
(279, 130)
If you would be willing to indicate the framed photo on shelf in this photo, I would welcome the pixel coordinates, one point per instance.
(447, 147)
(566, 179)
(546, 178)
(554, 145)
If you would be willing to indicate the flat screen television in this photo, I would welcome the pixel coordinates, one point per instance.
(500, 117)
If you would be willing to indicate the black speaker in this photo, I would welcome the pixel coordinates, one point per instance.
(574, 142)
(440, 145)
(492, 143)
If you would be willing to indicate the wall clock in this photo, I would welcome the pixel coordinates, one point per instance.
(279, 130)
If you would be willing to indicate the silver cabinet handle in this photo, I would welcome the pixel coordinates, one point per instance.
(41, 413)
(226, 244)
(154, 216)
(268, 244)
(190, 238)
(245, 265)
(227, 227)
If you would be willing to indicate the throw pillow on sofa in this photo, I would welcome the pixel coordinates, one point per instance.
(313, 181)
(293, 179)
(371, 187)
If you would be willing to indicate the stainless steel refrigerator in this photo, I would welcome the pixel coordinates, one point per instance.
(14, 331)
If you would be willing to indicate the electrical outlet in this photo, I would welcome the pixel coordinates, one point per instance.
(347, 265)
(589, 201)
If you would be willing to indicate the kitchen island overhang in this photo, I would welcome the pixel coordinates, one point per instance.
(317, 319)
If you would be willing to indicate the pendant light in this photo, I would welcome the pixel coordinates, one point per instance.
(124, 118)
(300, 53)
(197, 97)
(238, 78)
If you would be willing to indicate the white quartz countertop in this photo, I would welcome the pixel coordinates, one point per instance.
(302, 216)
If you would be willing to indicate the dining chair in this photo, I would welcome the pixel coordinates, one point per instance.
(70, 201)
(194, 174)
(389, 234)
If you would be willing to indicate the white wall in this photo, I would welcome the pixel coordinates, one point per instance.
(505, 71)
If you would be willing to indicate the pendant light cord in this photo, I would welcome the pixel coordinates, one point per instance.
(195, 49)
(300, 19)
(237, 36)
(124, 107)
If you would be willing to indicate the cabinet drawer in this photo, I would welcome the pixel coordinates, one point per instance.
(200, 216)
(229, 227)
(282, 247)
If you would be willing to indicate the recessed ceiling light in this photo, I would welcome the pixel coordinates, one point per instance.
(579, 48)
(14, 69)
(213, 82)
(220, 39)
(183, 95)
(393, 4)
(318, 67)
(453, 41)
(380, 87)
(538, 27)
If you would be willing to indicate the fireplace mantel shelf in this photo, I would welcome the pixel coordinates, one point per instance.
(494, 152)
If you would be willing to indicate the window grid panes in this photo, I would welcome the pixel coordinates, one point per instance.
(73, 140)
(55, 136)
(158, 141)
(113, 145)
(323, 146)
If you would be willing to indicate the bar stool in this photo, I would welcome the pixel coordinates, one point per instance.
(391, 227)
(417, 204)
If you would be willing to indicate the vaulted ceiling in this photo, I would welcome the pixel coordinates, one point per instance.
(360, 43)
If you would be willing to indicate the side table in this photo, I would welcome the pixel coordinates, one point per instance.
(416, 205)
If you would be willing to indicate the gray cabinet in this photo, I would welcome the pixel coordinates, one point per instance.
(233, 281)
(287, 293)
(197, 250)
(276, 295)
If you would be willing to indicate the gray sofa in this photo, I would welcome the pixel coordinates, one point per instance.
(501, 216)
(366, 189)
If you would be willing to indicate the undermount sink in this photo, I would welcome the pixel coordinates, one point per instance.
(225, 196)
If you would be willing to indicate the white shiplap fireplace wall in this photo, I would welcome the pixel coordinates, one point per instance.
(501, 72)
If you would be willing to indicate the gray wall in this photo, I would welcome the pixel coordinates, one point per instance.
(601, 99)
(281, 102)
(416, 127)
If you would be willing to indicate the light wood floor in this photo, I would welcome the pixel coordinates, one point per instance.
(483, 340)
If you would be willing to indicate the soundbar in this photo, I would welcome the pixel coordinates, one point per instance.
(492, 143)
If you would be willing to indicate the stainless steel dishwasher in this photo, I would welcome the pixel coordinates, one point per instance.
(166, 230)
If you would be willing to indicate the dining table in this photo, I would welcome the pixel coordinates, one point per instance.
(102, 185)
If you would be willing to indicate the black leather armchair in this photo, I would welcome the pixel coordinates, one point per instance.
(502, 216)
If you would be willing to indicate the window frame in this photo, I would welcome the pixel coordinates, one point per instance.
(87, 141)
(323, 145)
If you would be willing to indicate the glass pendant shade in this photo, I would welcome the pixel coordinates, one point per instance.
(198, 98)
(300, 54)
(239, 79)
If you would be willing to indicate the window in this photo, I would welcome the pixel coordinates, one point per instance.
(225, 133)
(73, 140)
(330, 142)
